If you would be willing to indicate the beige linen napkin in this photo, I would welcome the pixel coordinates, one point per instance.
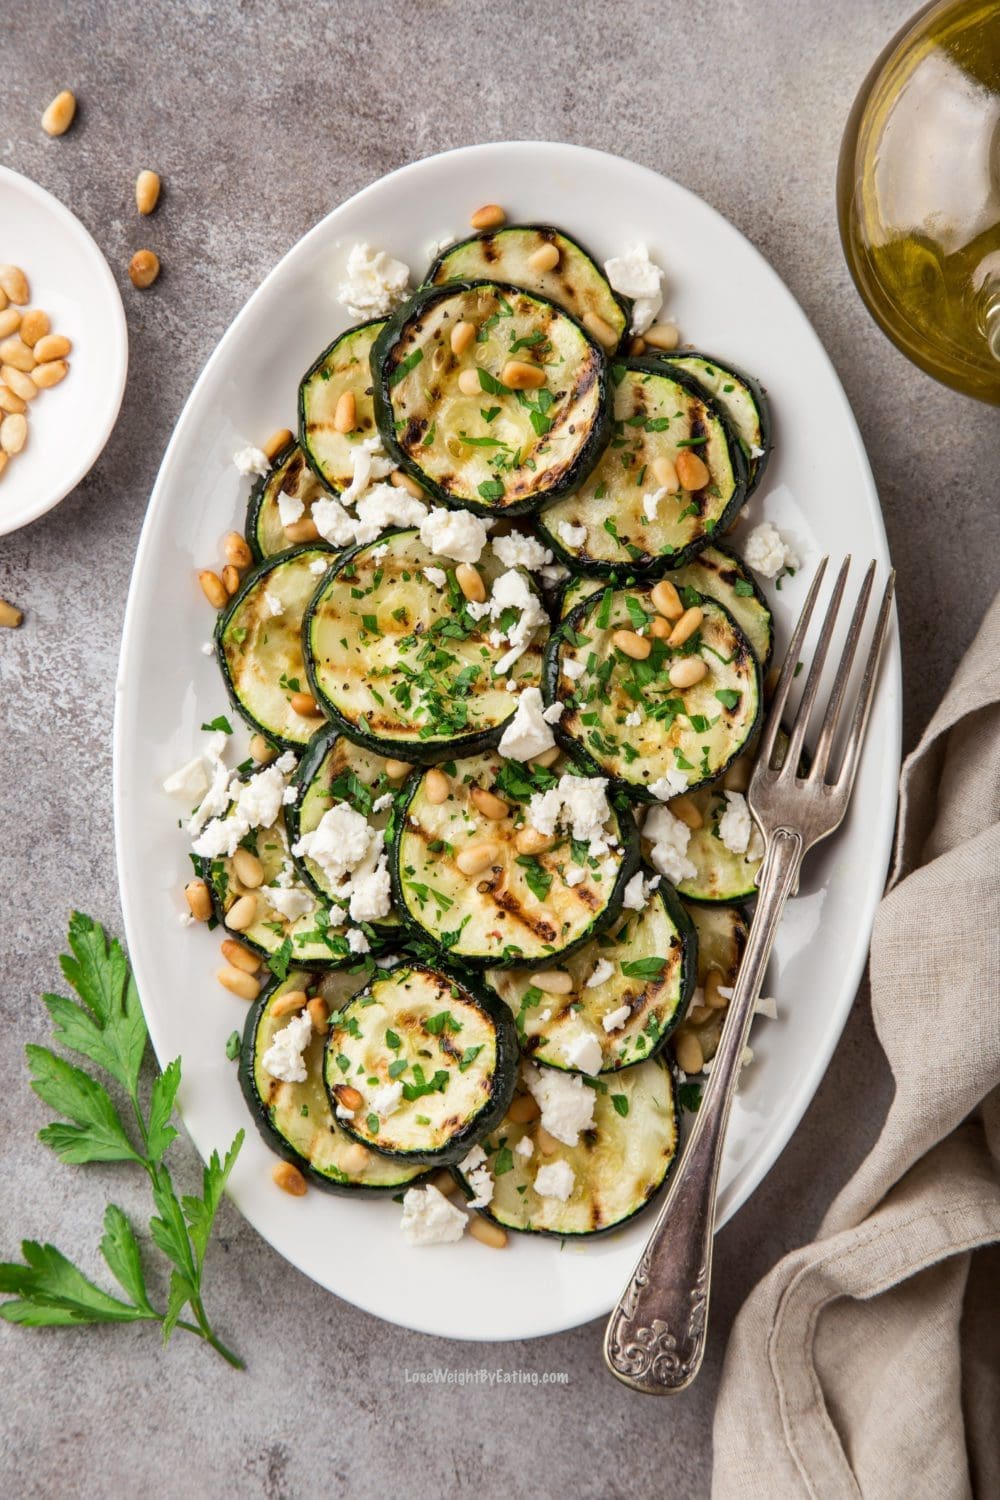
(868, 1363)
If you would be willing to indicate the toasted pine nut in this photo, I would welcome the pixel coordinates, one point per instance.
(9, 402)
(3, 299)
(492, 807)
(261, 749)
(476, 858)
(402, 481)
(523, 1108)
(487, 1233)
(13, 433)
(547, 1144)
(689, 622)
(490, 216)
(397, 769)
(286, 1175)
(699, 1014)
(468, 383)
(445, 1183)
(3, 460)
(238, 983)
(291, 1002)
(279, 439)
(59, 116)
(530, 841)
(713, 981)
(345, 414)
(437, 787)
(659, 628)
(521, 376)
(213, 588)
(667, 600)
(319, 1014)
(241, 958)
(691, 470)
(686, 672)
(637, 347)
(687, 1050)
(199, 900)
(143, 268)
(10, 322)
(356, 1158)
(349, 1097)
(461, 336)
(248, 869)
(547, 757)
(241, 914)
(22, 385)
(600, 329)
(147, 191)
(306, 705)
(545, 258)
(470, 581)
(50, 373)
(635, 646)
(230, 579)
(49, 345)
(10, 615)
(553, 981)
(665, 474)
(682, 807)
(737, 778)
(34, 326)
(15, 284)
(14, 351)
(662, 336)
(303, 530)
(236, 549)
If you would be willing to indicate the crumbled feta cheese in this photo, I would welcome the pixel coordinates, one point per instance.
(567, 1104)
(250, 460)
(370, 894)
(574, 669)
(384, 505)
(512, 591)
(510, 686)
(479, 1177)
(437, 247)
(207, 648)
(670, 785)
(639, 890)
(651, 503)
(379, 552)
(339, 843)
(374, 282)
(767, 552)
(669, 838)
(525, 1148)
(216, 800)
(283, 1058)
(437, 576)
(369, 461)
(343, 1113)
(319, 565)
(290, 508)
(188, 784)
(551, 574)
(579, 803)
(383, 803)
(615, 1019)
(603, 970)
(293, 901)
(554, 713)
(528, 733)
(457, 534)
(275, 607)
(429, 1219)
(185, 918)
(635, 275)
(258, 803)
(765, 1005)
(332, 521)
(386, 1099)
(634, 718)
(555, 1180)
(573, 536)
(357, 942)
(519, 551)
(575, 875)
(736, 825)
(584, 1051)
(290, 795)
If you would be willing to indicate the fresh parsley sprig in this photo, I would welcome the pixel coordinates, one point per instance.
(109, 1030)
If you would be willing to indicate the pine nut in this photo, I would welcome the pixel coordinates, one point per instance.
(143, 268)
(470, 581)
(682, 807)
(468, 383)
(261, 749)
(239, 957)
(687, 1050)
(713, 982)
(242, 913)
(355, 1159)
(492, 807)
(662, 336)
(737, 778)
(445, 1184)
(402, 481)
(305, 705)
(461, 336)
(689, 622)
(14, 351)
(13, 433)
(10, 615)
(3, 299)
(397, 769)
(236, 549)
(199, 900)
(600, 329)
(319, 1015)
(667, 600)
(3, 460)
(476, 858)
(547, 757)
(349, 1097)
(22, 385)
(691, 470)
(279, 439)
(10, 322)
(521, 376)
(59, 116)
(545, 258)
(50, 373)
(345, 414)
(213, 588)
(553, 981)
(659, 628)
(291, 1002)
(49, 345)
(34, 326)
(547, 1144)
(637, 347)
(665, 474)
(147, 191)
(437, 787)
(248, 869)
(9, 402)
(230, 579)
(303, 530)
(635, 646)
(290, 1180)
(14, 282)
(523, 1109)
(685, 673)
(530, 841)
(245, 986)
(487, 1233)
(490, 216)
(699, 1014)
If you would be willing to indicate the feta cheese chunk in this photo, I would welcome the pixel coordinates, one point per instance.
(579, 803)
(258, 803)
(639, 890)
(524, 1148)
(275, 607)
(767, 552)
(736, 825)
(339, 843)
(429, 1219)
(369, 461)
(669, 838)
(519, 551)
(567, 1104)
(284, 1057)
(615, 1019)
(670, 785)
(555, 1180)
(383, 506)
(290, 508)
(635, 275)
(332, 521)
(370, 894)
(528, 734)
(603, 970)
(374, 283)
(357, 942)
(437, 576)
(512, 591)
(572, 535)
(575, 875)
(251, 460)
(584, 1051)
(386, 1099)
(457, 534)
(479, 1177)
(188, 784)
(574, 669)
(765, 1005)
(651, 503)
(292, 901)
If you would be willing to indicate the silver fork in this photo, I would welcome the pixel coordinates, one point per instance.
(655, 1337)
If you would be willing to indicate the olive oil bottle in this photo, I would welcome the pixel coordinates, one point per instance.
(918, 193)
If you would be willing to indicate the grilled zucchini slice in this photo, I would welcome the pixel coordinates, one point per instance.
(619, 1166)
(399, 664)
(258, 641)
(722, 940)
(289, 475)
(295, 1119)
(697, 730)
(519, 908)
(652, 956)
(434, 1063)
(575, 282)
(497, 450)
(655, 416)
(344, 368)
(722, 875)
(742, 399)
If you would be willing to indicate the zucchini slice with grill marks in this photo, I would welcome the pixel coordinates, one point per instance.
(619, 1166)
(626, 718)
(722, 940)
(575, 282)
(295, 1119)
(420, 1066)
(344, 368)
(258, 641)
(645, 967)
(289, 475)
(722, 875)
(518, 907)
(608, 524)
(400, 665)
(495, 450)
(742, 399)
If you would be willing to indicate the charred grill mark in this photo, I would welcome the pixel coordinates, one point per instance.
(489, 249)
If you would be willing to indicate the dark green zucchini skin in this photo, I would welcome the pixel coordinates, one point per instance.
(257, 496)
(587, 458)
(756, 466)
(317, 364)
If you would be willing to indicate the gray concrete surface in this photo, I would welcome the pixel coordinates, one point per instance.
(261, 116)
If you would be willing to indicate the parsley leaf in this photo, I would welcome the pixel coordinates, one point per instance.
(644, 968)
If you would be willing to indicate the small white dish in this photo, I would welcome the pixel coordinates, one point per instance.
(68, 276)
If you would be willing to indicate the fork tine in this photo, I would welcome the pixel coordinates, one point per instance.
(815, 672)
(831, 718)
(773, 720)
(859, 723)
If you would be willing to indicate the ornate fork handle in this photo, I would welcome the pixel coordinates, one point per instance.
(655, 1338)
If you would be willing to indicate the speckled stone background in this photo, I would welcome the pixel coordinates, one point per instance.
(261, 116)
